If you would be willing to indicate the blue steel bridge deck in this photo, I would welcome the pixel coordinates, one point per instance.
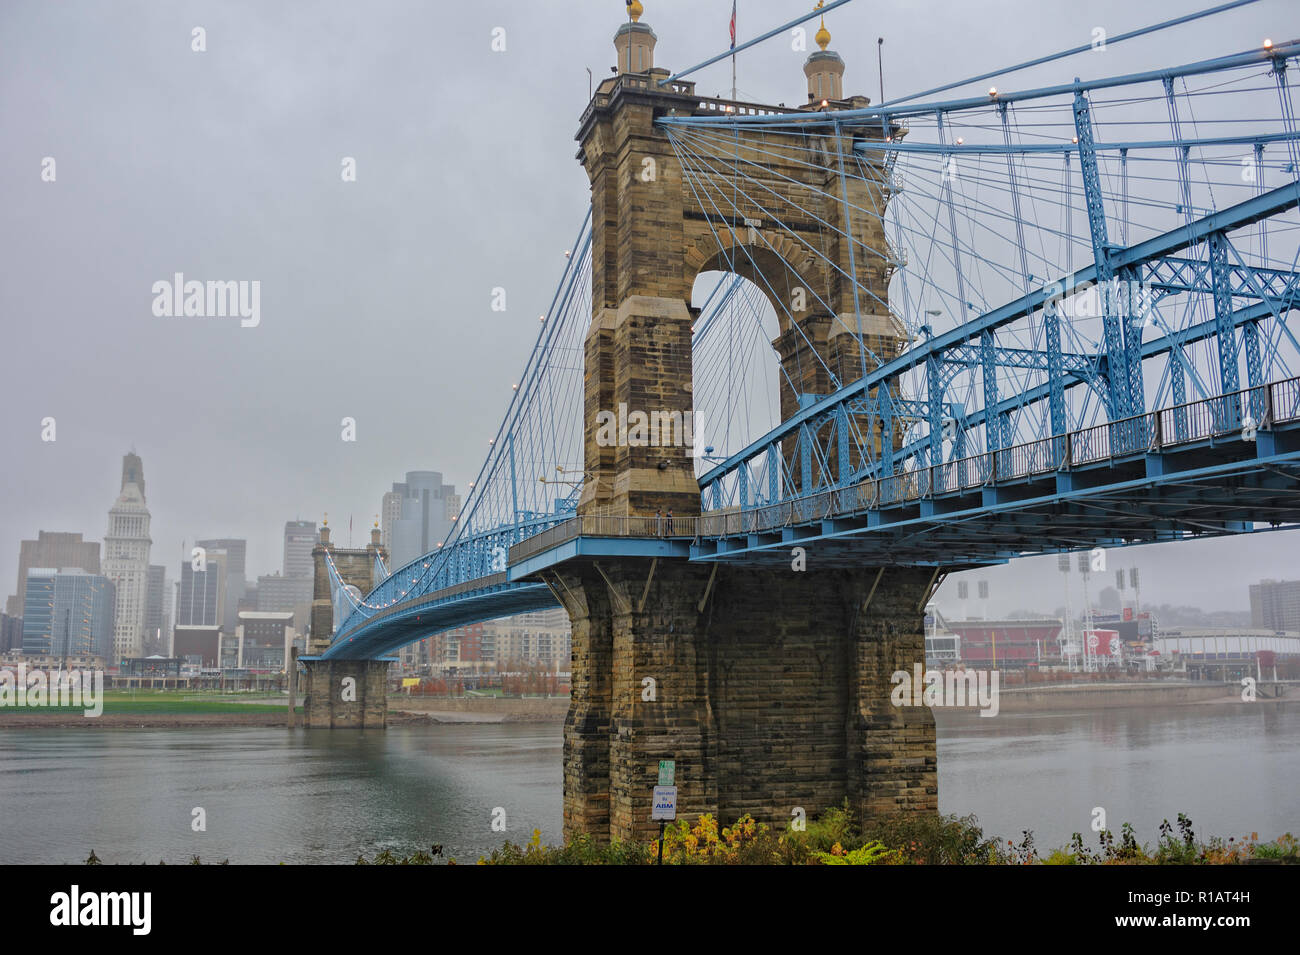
(1168, 475)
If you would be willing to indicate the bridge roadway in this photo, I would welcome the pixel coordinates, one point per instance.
(1167, 475)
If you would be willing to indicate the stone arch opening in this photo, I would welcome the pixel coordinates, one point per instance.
(786, 274)
(737, 378)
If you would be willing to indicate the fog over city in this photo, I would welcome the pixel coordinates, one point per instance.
(375, 294)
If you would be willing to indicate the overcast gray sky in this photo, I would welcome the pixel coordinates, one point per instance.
(375, 294)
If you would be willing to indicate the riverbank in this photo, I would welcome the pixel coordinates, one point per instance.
(169, 709)
(480, 709)
(163, 709)
(1087, 696)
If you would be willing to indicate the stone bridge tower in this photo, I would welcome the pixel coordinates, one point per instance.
(356, 567)
(770, 688)
(342, 693)
(650, 240)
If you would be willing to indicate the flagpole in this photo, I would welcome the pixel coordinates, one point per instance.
(733, 50)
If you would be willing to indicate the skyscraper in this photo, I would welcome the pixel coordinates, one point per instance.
(427, 508)
(293, 590)
(11, 633)
(51, 549)
(235, 552)
(1275, 604)
(390, 511)
(155, 623)
(200, 599)
(299, 539)
(126, 558)
(68, 612)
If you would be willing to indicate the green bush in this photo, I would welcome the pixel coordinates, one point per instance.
(835, 838)
(933, 839)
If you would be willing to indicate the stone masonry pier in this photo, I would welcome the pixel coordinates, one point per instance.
(769, 688)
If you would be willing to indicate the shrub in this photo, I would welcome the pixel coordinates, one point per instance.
(926, 839)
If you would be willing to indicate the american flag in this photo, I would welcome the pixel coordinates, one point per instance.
(733, 24)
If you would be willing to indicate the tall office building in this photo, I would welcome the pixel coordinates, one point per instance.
(11, 633)
(1275, 605)
(68, 613)
(200, 599)
(126, 559)
(235, 552)
(279, 594)
(390, 511)
(155, 622)
(169, 614)
(416, 515)
(51, 549)
(291, 591)
(299, 539)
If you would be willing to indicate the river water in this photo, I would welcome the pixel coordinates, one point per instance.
(271, 795)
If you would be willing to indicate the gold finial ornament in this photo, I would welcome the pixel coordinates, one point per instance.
(823, 36)
(634, 10)
(326, 522)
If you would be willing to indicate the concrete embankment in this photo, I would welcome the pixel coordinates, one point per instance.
(481, 709)
(1095, 696)
(401, 711)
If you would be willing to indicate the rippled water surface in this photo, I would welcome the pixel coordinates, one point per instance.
(272, 795)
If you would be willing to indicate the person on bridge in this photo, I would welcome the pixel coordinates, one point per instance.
(670, 522)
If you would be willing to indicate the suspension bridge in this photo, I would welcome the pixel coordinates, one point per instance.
(804, 361)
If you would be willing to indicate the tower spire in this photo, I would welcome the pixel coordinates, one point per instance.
(635, 42)
(824, 68)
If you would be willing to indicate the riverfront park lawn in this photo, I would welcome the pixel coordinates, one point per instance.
(162, 702)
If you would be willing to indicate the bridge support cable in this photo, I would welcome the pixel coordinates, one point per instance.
(1021, 248)
(1288, 115)
(953, 351)
(1110, 41)
(1123, 202)
(691, 168)
(1182, 153)
(993, 437)
(702, 169)
(853, 262)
